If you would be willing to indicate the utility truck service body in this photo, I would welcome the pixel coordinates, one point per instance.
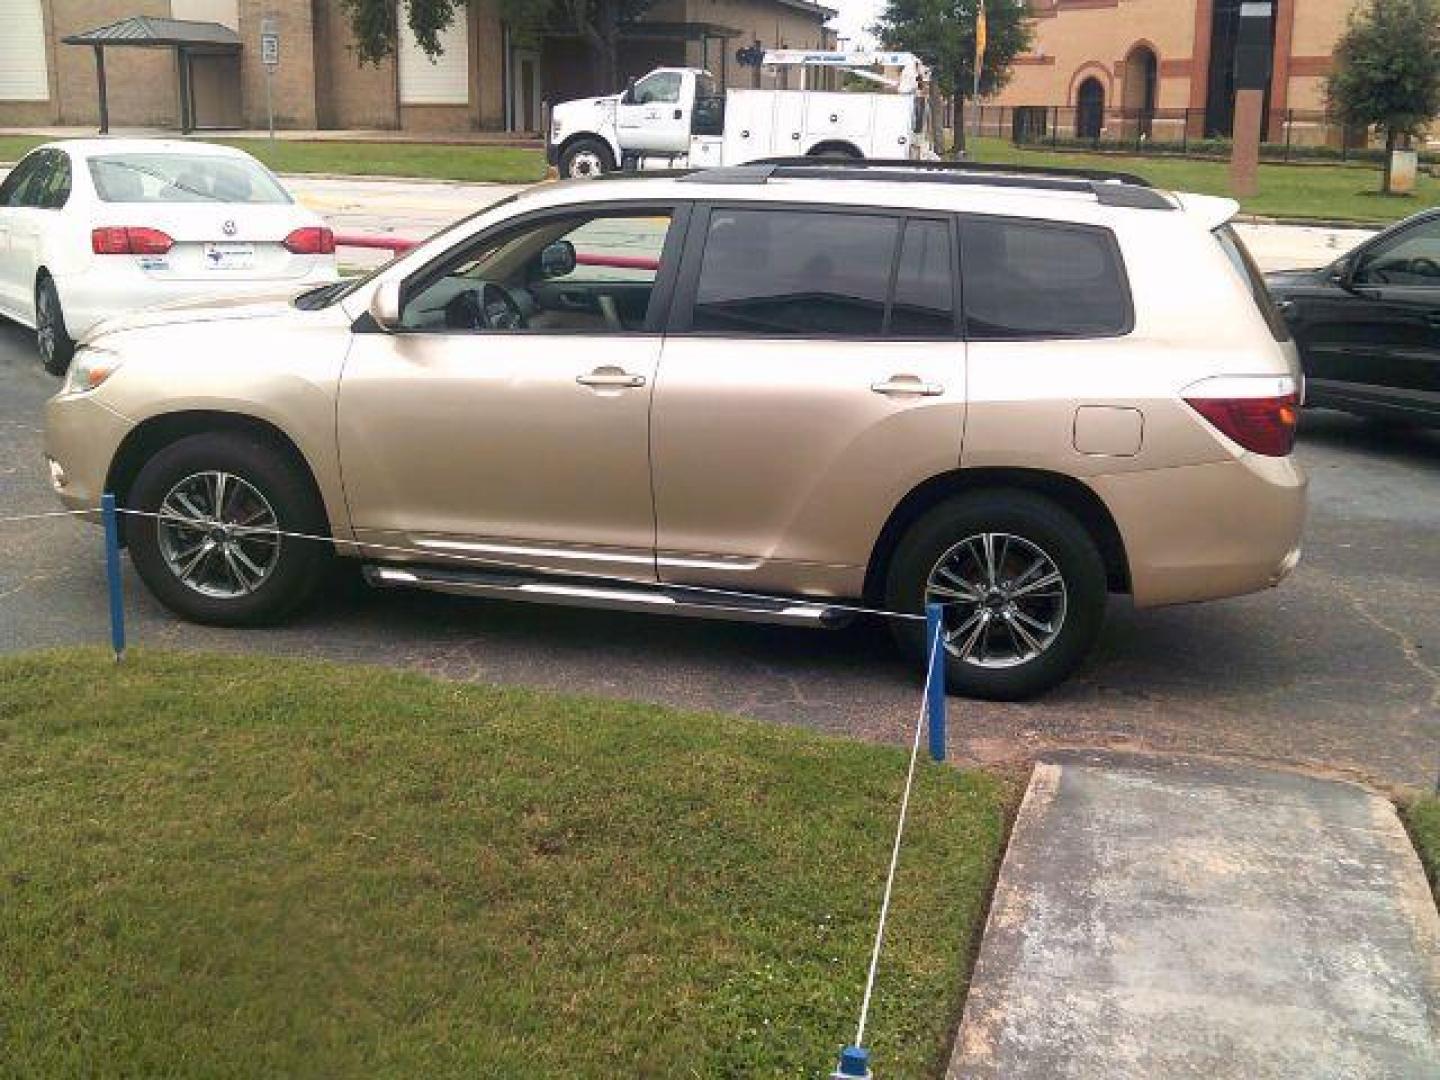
(680, 117)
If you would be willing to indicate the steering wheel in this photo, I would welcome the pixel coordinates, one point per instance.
(1424, 266)
(489, 307)
(499, 310)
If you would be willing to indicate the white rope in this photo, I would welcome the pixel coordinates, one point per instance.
(46, 514)
(895, 851)
(505, 564)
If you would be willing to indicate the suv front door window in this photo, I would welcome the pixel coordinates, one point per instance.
(508, 417)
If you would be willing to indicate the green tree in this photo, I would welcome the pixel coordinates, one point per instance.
(942, 33)
(1387, 71)
(597, 22)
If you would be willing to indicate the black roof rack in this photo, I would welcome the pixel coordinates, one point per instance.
(1109, 188)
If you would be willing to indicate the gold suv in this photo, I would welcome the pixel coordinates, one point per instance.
(817, 386)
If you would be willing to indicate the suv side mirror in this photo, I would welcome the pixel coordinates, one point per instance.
(385, 305)
(558, 259)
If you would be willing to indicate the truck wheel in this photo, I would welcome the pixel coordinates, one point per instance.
(586, 158)
(1023, 586)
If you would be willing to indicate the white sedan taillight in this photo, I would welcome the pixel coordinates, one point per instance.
(311, 240)
(1260, 413)
(129, 240)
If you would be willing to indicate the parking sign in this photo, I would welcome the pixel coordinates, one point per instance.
(270, 41)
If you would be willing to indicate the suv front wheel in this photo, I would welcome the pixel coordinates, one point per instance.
(1023, 588)
(212, 552)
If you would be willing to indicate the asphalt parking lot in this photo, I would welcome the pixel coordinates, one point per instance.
(1337, 669)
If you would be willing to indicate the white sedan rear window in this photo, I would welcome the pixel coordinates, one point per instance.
(183, 178)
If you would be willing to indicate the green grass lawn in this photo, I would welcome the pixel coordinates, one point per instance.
(222, 867)
(500, 164)
(1422, 818)
(1342, 192)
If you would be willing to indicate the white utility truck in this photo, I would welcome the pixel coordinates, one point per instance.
(679, 118)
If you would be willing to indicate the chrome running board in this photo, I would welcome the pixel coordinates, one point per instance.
(621, 596)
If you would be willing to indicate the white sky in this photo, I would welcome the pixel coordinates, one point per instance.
(854, 16)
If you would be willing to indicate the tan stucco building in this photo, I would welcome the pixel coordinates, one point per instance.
(485, 80)
(1168, 64)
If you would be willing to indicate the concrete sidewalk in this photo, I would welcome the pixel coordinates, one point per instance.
(1164, 918)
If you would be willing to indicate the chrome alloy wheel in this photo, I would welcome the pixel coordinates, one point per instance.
(218, 535)
(1004, 600)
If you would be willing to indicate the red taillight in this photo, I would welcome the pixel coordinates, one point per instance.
(118, 240)
(1262, 425)
(311, 240)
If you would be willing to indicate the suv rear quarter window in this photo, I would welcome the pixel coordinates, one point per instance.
(1025, 279)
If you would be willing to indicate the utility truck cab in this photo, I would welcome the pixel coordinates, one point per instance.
(682, 118)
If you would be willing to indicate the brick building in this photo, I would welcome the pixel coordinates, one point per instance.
(485, 80)
(1167, 64)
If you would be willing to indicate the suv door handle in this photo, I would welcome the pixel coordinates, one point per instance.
(907, 385)
(610, 378)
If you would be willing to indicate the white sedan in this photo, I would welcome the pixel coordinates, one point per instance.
(95, 227)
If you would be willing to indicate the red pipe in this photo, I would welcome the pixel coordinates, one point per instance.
(400, 244)
(622, 262)
(396, 244)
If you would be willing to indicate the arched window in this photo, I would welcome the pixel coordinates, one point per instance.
(1141, 72)
(1089, 109)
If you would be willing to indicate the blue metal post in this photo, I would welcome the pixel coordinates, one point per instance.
(935, 700)
(854, 1064)
(112, 574)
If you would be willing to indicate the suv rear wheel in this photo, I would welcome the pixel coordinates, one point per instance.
(212, 556)
(1023, 586)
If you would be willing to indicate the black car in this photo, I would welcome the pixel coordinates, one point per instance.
(1368, 325)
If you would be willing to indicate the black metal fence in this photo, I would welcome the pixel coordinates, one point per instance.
(1290, 135)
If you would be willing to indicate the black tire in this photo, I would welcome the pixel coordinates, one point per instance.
(583, 152)
(298, 568)
(1035, 520)
(836, 152)
(52, 339)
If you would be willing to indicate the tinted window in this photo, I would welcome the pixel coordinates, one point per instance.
(1239, 257)
(1411, 257)
(165, 178)
(924, 285)
(55, 192)
(786, 272)
(1027, 279)
(23, 184)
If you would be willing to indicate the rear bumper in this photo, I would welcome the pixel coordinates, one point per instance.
(89, 297)
(1202, 532)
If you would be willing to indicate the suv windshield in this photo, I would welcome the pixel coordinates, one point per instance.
(183, 178)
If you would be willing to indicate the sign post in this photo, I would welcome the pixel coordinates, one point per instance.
(270, 57)
(1252, 74)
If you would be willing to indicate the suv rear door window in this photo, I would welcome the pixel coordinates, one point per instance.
(924, 304)
(1032, 279)
(803, 273)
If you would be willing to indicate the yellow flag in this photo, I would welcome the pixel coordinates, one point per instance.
(981, 35)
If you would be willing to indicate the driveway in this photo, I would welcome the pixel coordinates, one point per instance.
(1337, 668)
